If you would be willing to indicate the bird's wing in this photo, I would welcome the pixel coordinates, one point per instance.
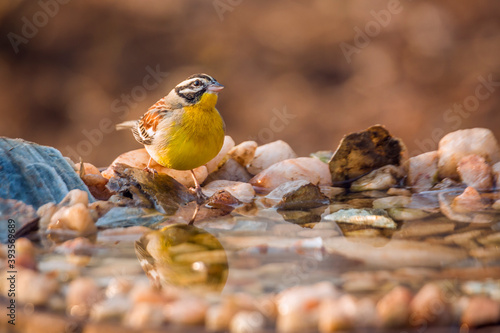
(145, 130)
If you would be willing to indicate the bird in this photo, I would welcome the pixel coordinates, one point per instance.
(183, 130)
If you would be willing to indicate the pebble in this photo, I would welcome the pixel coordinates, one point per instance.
(139, 159)
(495, 169)
(269, 154)
(469, 201)
(186, 311)
(394, 307)
(298, 194)
(76, 218)
(407, 214)
(399, 191)
(456, 145)
(423, 228)
(337, 314)
(396, 253)
(144, 315)
(302, 168)
(423, 171)
(32, 287)
(480, 311)
(298, 306)
(475, 172)
(390, 202)
(218, 317)
(244, 192)
(81, 295)
(222, 156)
(231, 170)
(432, 306)
(247, 322)
(379, 179)
(371, 217)
(244, 152)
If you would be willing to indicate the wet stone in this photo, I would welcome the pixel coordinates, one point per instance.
(269, 154)
(299, 194)
(370, 217)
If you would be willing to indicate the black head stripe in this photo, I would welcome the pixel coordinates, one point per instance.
(201, 76)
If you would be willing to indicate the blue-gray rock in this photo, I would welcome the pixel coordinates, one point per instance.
(35, 174)
(124, 217)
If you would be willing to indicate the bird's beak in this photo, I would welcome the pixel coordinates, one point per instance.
(215, 87)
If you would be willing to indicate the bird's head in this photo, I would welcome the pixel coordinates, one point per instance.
(194, 87)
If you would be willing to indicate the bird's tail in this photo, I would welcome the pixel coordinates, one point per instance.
(126, 125)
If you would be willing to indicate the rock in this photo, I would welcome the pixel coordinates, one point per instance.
(331, 192)
(96, 183)
(480, 311)
(124, 217)
(302, 168)
(496, 174)
(218, 317)
(423, 171)
(394, 308)
(186, 311)
(221, 157)
(244, 152)
(232, 171)
(407, 214)
(144, 315)
(298, 307)
(18, 214)
(74, 218)
(164, 191)
(298, 194)
(423, 229)
(244, 192)
(432, 305)
(379, 179)
(269, 154)
(456, 145)
(337, 314)
(395, 253)
(139, 159)
(360, 153)
(391, 202)
(465, 207)
(25, 254)
(399, 191)
(35, 174)
(247, 321)
(372, 217)
(347, 312)
(81, 295)
(116, 308)
(32, 287)
(475, 172)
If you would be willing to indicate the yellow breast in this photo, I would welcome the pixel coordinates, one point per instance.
(196, 138)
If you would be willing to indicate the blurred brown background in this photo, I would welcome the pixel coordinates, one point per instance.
(307, 72)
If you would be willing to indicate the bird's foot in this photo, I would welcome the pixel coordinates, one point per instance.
(151, 170)
(200, 196)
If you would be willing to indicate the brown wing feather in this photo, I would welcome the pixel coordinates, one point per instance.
(146, 127)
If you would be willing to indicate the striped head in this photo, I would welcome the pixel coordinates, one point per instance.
(192, 89)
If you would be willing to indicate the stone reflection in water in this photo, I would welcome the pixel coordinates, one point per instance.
(184, 256)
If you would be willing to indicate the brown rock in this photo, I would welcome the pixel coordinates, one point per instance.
(481, 311)
(394, 308)
(475, 172)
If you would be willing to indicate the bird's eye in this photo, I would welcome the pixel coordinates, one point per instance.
(197, 83)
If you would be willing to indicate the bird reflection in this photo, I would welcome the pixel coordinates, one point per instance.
(184, 256)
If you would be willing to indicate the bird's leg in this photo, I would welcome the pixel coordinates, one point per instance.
(149, 169)
(200, 197)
